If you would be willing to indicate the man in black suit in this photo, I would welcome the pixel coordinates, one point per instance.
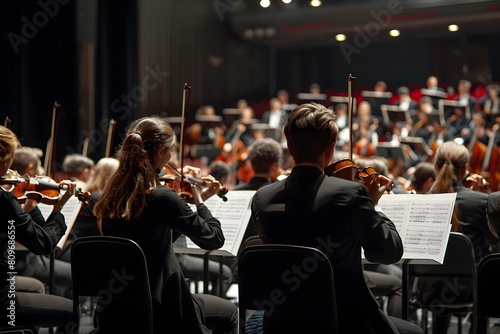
(337, 216)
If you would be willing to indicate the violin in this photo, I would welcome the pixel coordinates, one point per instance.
(181, 183)
(348, 170)
(476, 182)
(40, 188)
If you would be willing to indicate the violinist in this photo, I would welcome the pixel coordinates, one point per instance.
(334, 215)
(265, 157)
(423, 176)
(136, 206)
(469, 217)
(27, 162)
(36, 234)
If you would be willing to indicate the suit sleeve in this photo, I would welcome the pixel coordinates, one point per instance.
(200, 226)
(38, 239)
(375, 231)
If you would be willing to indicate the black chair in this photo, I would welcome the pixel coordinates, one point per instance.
(268, 282)
(451, 282)
(488, 289)
(115, 271)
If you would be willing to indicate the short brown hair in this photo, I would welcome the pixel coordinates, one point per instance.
(263, 153)
(309, 130)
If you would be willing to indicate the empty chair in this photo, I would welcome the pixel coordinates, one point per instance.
(115, 271)
(293, 285)
(488, 289)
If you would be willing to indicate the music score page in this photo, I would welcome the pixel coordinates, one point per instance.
(233, 215)
(423, 222)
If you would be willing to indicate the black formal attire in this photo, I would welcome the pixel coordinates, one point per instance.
(253, 184)
(283, 117)
(40, 236)
(175, 309)
(338, 217)
(493, 211)
(472, 217)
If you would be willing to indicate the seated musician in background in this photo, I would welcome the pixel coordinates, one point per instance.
(27, 162)
(452, 161)
(78, 168)
(38, 235)
(240, 129)
(276, 117)
(136, 206)
(432, 85)
(86, 223)
(421, 178)
(464, 96)
(284, 98)
(493, 213)
(366, 131)
(404, 100)
(337, 216)
(491, 105)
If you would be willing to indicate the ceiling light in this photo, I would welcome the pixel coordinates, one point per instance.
(287, 1)
(340, 37)
(265, 3)
(453, 27)
(394, 33)
(315, 3)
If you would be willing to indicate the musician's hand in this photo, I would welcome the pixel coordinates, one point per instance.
(70, 191)
(212, 189)
(382, 185)
(191, 171)
(29, 204)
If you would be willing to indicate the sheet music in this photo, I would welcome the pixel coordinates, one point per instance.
(233, 215)
(70, 211)
(423, 222)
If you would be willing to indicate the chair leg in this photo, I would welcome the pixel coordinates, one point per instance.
(425, 324)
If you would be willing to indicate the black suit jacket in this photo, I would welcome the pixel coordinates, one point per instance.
(175, 310)
(473, 219)
(338, 217)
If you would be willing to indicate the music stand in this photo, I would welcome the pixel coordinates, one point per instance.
(376, 100)
(417, 144)
(394, 114)
(308, 97)
(389, 151)
(264, 128)
(231, 115)
(343, 99)
(445, 106)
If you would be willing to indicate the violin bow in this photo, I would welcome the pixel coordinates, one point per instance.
(111, 133)
(51, 144)
(185, 101)
(8, 122)
(350, 104)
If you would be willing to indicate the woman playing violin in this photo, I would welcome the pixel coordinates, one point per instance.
(27, 226)
(136, 206)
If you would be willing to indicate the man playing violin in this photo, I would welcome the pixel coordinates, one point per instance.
(334, 215)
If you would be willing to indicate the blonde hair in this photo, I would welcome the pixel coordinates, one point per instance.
(8, 143)
(103, 171)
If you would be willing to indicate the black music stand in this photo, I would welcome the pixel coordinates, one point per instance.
(394, 114)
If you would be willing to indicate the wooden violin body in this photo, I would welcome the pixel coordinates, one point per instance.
(43, 189)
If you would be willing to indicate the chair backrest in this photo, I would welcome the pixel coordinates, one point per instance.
(458, 261)
(457, 275)
(292, 284)
(488, 287)
(114, 270)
